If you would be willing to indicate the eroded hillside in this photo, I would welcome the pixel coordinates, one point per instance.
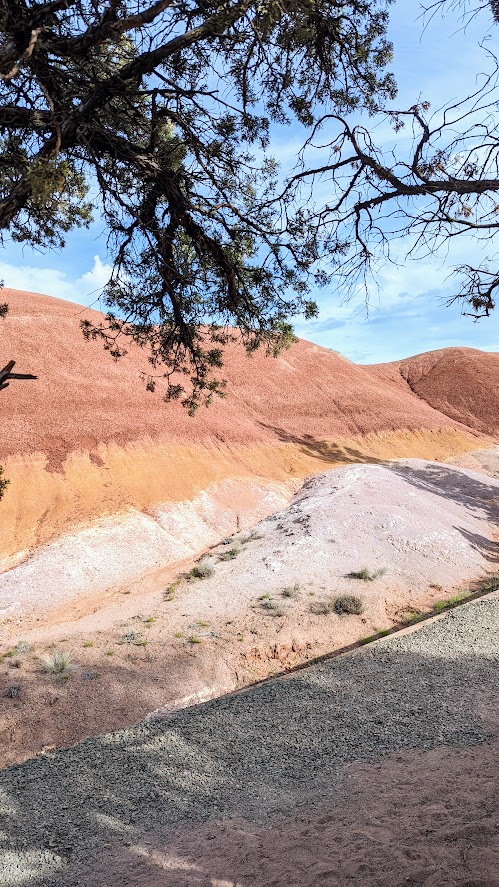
(85, 440)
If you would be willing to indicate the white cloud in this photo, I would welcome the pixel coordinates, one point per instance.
(95, 280)
(84, 289)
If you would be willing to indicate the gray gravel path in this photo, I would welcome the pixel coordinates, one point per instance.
(253, 754)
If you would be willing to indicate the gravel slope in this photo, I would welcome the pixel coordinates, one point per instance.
(253, 755)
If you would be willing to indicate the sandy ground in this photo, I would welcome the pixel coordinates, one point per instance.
(425, 818)
(377, 768)
(429, 526)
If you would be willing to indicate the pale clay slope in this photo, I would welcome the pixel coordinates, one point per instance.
(424, 522)
(122, 548)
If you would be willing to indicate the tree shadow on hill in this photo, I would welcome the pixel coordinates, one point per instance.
(325, 451)
(488, 548)
(102, 812)
(479, 497)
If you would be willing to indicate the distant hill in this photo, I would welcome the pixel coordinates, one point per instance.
(461, 383)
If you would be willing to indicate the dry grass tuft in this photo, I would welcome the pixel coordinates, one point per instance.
(203, 569)
(58, 663)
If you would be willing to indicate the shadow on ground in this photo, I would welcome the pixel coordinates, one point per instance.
(90, 816)
(478, 496)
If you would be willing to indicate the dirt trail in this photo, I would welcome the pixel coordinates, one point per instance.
(378, 768)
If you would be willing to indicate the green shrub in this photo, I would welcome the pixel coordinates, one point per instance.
(169, 592)
(231, 553)
(411, 615)
(438, 606)
(291, 591)
(490, 584)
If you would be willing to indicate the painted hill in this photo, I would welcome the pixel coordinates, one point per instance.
(462, 383)
(84, 439)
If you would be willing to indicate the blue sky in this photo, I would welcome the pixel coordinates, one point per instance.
(407, 312)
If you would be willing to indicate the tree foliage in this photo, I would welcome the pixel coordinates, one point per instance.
(163, 111)
(415, 195)
(159, 116)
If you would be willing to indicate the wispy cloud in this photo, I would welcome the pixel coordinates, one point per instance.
(407, 312)
(409, 316)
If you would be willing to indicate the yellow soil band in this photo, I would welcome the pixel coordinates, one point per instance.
(39, 505)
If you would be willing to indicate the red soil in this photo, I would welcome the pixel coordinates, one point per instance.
(461, 383)
(81, 398)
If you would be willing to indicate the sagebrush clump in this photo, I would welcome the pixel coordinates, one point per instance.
(273, 607)
(203, 569)
(348, 604)
(23, 647)
(367, 575)
(322, 608)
